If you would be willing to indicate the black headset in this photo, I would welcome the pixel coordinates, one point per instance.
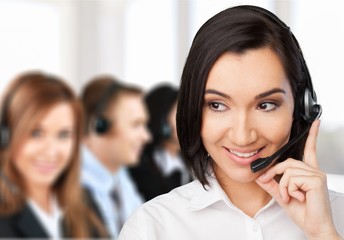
(102, 124)
(306, 107)
(4, 129)
(5, 133)
(5, 139)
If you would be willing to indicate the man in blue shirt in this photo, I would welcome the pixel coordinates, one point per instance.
(115, 134)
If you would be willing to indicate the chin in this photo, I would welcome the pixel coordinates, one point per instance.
(243, 176)
(133, 162)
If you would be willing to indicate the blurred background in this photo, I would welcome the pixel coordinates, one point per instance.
(146, 42)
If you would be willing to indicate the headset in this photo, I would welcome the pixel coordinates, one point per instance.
(5, 133)
(166, 130)
(102, 124)
(306, 107)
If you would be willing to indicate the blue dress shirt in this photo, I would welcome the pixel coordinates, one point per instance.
(101, 182)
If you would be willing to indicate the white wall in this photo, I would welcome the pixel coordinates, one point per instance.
(146, 42)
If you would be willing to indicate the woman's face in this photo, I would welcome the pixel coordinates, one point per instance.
(247, 113)
(46, 152)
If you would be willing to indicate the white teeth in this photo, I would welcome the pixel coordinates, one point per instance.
(244, 155)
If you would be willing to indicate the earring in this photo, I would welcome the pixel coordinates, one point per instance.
(208, 156)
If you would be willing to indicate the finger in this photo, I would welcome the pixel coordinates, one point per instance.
(272, 188)
(294, 188)
(287, 184)
(310, 154)
(287, 167)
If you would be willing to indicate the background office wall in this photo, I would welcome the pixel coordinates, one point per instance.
(146, 42)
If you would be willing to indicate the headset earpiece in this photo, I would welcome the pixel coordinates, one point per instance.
(4, 128)
(4, 136)
(101, 125)
(311, 110)
(166, 130)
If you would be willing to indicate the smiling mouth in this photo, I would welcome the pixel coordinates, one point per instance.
(244, 155)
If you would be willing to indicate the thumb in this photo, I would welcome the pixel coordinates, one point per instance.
(272, 188)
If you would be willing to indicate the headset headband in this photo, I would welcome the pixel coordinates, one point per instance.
(103, 102)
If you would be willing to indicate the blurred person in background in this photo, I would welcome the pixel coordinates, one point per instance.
(115, 134)
(161, 168)
(40, 132)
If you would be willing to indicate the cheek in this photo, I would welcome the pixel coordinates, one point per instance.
(68, 150)
(25, 152)
(277, 130)
(212, 128)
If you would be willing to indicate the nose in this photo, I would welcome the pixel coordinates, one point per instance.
(51, 148)
(242, 131)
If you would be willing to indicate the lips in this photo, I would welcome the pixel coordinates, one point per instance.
(243, 157)
(45, 167)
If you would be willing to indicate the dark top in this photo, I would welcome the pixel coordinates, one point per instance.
(25, 224)
(149, 179)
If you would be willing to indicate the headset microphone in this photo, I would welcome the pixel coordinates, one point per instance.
(261, 163)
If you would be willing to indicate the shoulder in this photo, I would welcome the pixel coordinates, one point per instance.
(23, 223)
(7, 227)
(336, 198)
(337, 203)
(164, 215)
(168, 205)
(90, 203)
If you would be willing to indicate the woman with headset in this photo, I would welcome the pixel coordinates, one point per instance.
(40, 194)
(245, 106)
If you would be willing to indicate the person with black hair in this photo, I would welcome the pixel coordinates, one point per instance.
(247, 123)
(161, 167)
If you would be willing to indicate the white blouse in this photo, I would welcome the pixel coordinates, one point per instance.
(190, 212)
(50, 222)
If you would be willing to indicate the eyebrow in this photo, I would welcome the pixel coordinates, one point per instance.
(270, 92)
(212, 91)
(259, 96)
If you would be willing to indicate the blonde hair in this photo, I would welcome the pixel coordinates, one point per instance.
(30, 96)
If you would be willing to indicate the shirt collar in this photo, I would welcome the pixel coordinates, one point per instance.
(95, 173)
(167, 163)
(208, 195)
(213, 193)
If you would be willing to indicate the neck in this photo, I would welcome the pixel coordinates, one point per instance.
(102, 156)
(248, 197)
(41, 196)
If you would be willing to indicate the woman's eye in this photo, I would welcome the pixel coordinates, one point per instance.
(37, 133)
(65, 134)
(267, 106)
(218, 107)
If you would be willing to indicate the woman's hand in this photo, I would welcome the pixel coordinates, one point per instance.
(302, 191)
